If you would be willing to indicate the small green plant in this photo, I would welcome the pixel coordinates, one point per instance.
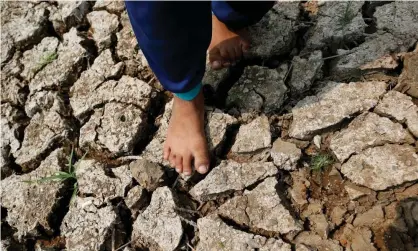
(61, 176)
(321, 161)
(46, 59)
(346, 18)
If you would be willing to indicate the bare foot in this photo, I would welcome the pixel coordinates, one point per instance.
(226, 46)
(186, 141)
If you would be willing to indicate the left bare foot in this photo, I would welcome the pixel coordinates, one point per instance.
(226, 46)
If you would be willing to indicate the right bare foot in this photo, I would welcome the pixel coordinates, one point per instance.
(226, 46)
(186, 141)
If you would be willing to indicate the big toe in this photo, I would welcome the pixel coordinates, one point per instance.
(215, 59)
(201, 161)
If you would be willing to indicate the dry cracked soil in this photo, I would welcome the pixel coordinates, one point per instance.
(313, 135)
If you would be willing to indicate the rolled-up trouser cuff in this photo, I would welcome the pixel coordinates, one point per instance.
(190, 94)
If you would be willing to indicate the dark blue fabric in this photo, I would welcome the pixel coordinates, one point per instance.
(174, 36)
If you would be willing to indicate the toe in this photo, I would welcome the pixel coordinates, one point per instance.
(201, 161)
(187, 164)
(166, 152)
(245, 46)
(215, 58)
(172, 160)
(216, 65)
(179, 164)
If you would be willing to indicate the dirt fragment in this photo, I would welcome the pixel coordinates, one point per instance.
(231, 176)
(261, 208)
(400, 107)
(33, 205)
(258, 89)
(149, 175)
(285, 154)
(367, 130)
(408, 80)
(384, 166)
(370, 218)
(316, 113)
(88, 227)
(216, 235)
(103, 26)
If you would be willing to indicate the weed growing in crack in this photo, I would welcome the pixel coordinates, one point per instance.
(61, 176)
(346, 18)
(321, 161)
(46, 59)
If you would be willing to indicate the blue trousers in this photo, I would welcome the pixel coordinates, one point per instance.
(174, 36)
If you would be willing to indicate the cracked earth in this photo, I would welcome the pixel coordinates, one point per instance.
(313, 136)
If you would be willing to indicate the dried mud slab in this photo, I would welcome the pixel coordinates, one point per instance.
(305, 71)
(135, 199)
(115, 7)
(7, 47)
(93, 180)
(116, 128)
(335, 102)
(408, 80)
(252, 140)
(365, 131)
(159, 227)
(285, 154)
(298, 190)
(230, 176)
(214, 234)
(315, 242)
(87, 227)
(41, 54)
(357, 239)
(261, 208)
(13, 90)
(71, 58)
(12, 124)
(25, 25)
(216, 125)
(103, 68)
(346, 67)
(148, 174)
(337, 23)
(127, 90)
(44, 131)
(399, 19)
(274, 34)
(214, 78)
(400, 107)
(46, 101)
(31, 206)
(103, 27)
(384, 166)
(259, 88)
(67, 14)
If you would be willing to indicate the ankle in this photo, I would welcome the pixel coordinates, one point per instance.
(185, 106)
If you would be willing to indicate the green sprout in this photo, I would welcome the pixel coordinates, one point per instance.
(321, 161)
(61, 176)
(346, 18)
(46, 59)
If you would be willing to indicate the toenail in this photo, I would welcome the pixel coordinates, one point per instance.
(203, 169)
(178, 170)
(187, 173)
(216, 64)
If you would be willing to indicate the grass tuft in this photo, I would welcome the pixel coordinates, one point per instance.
(321, 161)
(346, 18)
(61, 176)
(46, 59)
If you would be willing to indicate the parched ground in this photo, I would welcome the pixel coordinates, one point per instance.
(313, 135)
